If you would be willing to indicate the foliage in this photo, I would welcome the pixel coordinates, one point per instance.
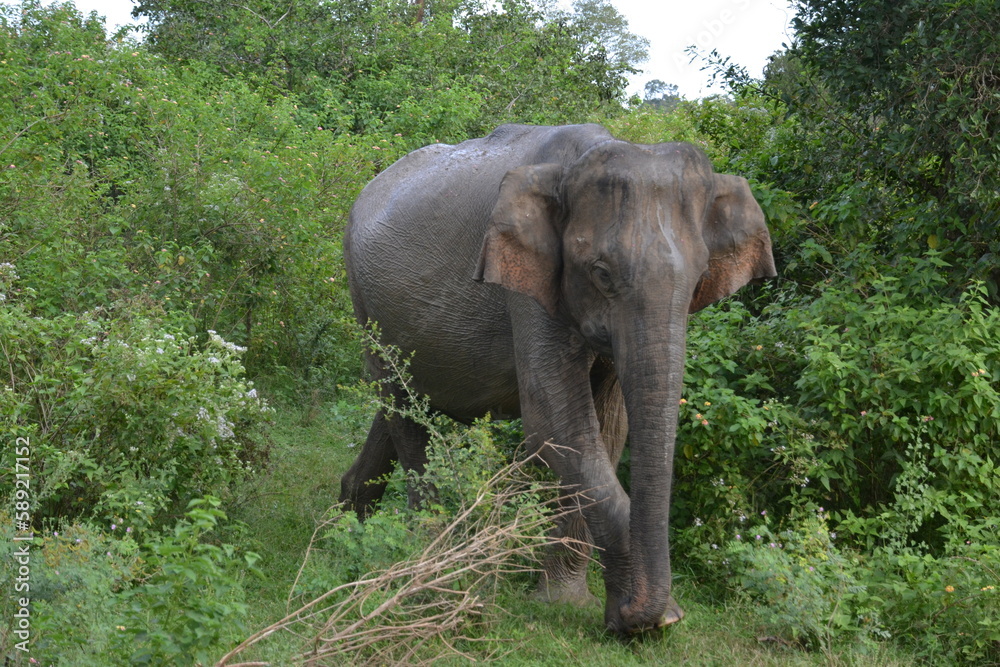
(378, 591)
(192, 604)
(128, 416)
(945, 608)
(806, 590)
(107, 595)
(899, 387)
(433, 71)
(660, 95)
(908, 89)
(873, 401)
(77, 574)
(174, 183)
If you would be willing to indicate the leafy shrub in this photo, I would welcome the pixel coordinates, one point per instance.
(898, 383)
(946, 608)
(129, 416)
(77, 575)
(192, 604)
(99, 596)
(874, 400)
(462, 463)
(805, 589)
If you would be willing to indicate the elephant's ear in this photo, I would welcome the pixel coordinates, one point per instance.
(522, 249)
(739, 244)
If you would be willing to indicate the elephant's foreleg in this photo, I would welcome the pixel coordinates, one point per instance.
(564, 567)
(411, 441)
(561, 423)
(364, 483)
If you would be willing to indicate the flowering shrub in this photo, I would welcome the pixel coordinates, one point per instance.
(948, 607)
(128, 415)
(805, 589)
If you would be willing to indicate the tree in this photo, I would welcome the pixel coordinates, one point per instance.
(910, 88)
(604, 27)
(431, 70)
(661, 95)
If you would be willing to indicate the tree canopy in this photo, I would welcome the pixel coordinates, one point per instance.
(442, 69)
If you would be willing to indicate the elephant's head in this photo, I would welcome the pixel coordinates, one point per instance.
(622, 245)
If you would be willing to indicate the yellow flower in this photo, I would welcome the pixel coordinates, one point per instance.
(949, 589)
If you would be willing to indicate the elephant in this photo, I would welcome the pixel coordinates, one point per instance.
(548, 273)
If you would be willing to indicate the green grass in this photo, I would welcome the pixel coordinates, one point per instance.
(312, 447)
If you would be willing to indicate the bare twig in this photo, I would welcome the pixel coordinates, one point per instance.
(442, 594)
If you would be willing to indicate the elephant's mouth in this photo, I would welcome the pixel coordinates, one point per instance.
(597, 336)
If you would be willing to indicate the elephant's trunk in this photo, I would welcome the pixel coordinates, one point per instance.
(650, 363)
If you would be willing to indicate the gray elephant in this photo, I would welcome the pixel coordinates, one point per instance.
(548, 272)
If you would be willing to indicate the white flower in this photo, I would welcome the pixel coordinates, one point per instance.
(225, 428)
(214, 360)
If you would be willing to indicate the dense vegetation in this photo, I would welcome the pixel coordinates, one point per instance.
(178, 359)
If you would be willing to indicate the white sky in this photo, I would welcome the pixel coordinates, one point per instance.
(746, 30)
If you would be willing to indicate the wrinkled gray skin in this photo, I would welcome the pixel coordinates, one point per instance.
(548, 272)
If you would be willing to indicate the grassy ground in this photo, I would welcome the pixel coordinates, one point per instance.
(315, 443)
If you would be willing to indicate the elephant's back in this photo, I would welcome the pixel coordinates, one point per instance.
(412, 247)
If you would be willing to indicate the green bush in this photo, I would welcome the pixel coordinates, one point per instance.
(101, 596)
(872, 399)
(945, 608)
(458, 480)
(897, 380)
(192, 604)
(129, 416)
(806, 590)
(78, 573)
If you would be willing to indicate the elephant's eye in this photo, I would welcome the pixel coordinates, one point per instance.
(601, 275)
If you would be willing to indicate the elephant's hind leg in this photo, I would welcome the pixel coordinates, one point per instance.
(364, 483)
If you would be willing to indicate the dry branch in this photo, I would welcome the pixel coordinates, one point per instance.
(442, 594)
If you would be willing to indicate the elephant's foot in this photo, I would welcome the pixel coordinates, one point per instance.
(673, 614)
(616, 623)
(573, 591)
